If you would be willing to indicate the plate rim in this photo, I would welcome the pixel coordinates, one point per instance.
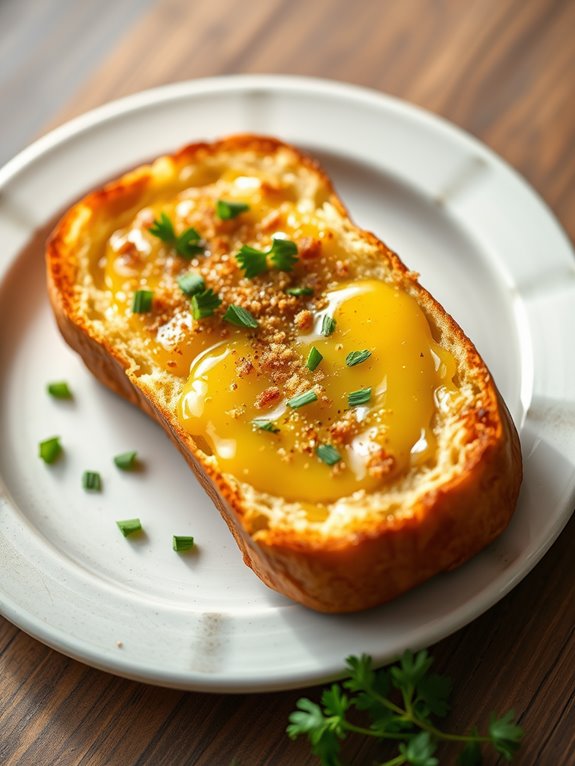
(193, 680)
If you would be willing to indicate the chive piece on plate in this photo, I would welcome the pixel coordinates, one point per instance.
(142, 301)
(129, 526)
(181, 543)
(205, 303)
(126, 460)
(91, 481)
(357, 357)
(59, 390)
(313, 358)
(50, 449)
(297, 291)
(301, 399)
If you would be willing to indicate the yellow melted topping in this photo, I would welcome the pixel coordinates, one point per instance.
(227, 370)
(384, 437)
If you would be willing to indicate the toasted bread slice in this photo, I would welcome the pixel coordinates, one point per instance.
(198, 287)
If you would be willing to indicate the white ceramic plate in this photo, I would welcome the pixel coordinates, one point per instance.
(484, 244)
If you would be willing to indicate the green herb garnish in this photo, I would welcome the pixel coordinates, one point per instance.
(142, 301)
(327, 325)
(357, 357)
(181, 543)
(91, 481)
(282, 253)
(227, 210)
(401, 704)
(265, 425)
(59, 390)
(129, 526)
(302, 399)
(187, 244)
(191, 283)
(240, 316)
(205, 303)
(361, 396)
(297, 291)
(328, 454)
(313, 358)
(49, 449)
(126, 460)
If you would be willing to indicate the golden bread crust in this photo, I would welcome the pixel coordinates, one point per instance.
(376, 554)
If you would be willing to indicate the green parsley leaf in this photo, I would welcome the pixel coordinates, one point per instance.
(205, 303)
(126, 460)
(187, 244)
(129, 526)
(313, 358)
(433, 692)
(328, 454)
(419, 750)
(302, 399)
(357, 357)
(142, 301)
(50, 449)
(265, 425)
(191, 283)
(228, 210)
(505, 735)
(59, 390)
(321, 731)
(361, 396)
(283, 254)
(240, 316)
(298, 291)
(471, 753)
(181, 543)
(91, 481)
(327, 325)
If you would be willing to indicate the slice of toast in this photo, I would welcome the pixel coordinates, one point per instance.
(342, 423)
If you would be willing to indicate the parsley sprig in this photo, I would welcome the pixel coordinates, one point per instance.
(400, 702)
(282, 254)
(187, 244)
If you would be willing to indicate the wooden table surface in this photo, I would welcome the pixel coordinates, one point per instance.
(504, 70)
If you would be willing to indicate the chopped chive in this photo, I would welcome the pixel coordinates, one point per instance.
(129, 526)
(313, 358)
(240, 316)
(126, 460)
(357, 357)
(301, 399)
(227, 210)
(265, 425)
(142, 301)
(327, 325)
(50, 449)
(205, 303)
(252, 261)
(91, 481)
(181, 543)
(361, 396)
(328, 454)
(59, 390)
(297, 291)
(191, 283)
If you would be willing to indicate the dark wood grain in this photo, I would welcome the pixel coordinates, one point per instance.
(504, 71)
